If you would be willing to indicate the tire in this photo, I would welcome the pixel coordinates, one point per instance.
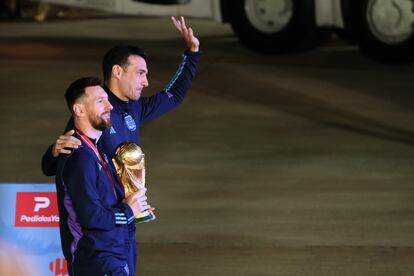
(384, 30)
(276, 25)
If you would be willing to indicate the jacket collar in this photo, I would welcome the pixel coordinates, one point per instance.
(114, 100)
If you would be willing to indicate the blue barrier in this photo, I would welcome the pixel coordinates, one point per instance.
(29, 222)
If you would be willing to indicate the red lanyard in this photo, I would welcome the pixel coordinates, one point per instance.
(89, 143)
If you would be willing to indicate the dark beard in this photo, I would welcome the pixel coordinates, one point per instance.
(101, 125)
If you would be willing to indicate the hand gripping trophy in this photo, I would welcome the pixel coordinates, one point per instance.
(129, 163)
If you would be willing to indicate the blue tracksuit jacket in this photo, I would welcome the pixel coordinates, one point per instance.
(94, 222)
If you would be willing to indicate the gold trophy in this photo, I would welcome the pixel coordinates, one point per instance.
(129, 164)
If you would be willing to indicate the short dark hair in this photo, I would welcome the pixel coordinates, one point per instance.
(77, 89)
(118, 55)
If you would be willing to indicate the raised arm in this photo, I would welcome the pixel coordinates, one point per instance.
(177, 88)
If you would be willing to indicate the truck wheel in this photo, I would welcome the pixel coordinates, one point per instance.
(384, 29)
(276, 25)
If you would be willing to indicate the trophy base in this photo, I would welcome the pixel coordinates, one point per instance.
(143, 217)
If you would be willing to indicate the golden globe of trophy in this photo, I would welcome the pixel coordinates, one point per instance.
(129, 164)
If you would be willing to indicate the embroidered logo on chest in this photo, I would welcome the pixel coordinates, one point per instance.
(130, 123)
(112, 130)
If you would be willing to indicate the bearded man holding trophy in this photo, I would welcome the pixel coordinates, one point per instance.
(96, 217)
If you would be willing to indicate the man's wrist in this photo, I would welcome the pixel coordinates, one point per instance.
(192, 53)
(194, 49)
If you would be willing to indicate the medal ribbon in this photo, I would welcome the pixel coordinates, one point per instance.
(91, 145)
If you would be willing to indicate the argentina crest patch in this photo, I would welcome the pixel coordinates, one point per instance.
(130, 123)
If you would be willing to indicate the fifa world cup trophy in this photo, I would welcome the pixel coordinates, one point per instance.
(129, 163)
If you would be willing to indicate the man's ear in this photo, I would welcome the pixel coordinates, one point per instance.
(117, 71)
(79, 110)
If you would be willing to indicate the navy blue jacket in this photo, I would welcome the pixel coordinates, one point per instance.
(94, 222)
(127, 117)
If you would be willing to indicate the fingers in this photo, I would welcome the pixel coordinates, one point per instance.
(187, 33)
(144, 206)
(64, 151)
(176, 23)
(70, 132)
(138, 202)
(153, 214)
(131, 200)
(140, 207)
(180, 25)
(183, 26)
(65, 143)
(142, 199)
(138, 196)
(141, 192)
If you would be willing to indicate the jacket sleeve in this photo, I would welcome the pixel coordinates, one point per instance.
(49, 162)
(80, 176)
(174, 92)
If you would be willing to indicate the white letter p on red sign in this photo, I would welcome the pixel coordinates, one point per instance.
(41, 202)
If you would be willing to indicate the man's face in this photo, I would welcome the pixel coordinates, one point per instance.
(134, 78)
(98, 108)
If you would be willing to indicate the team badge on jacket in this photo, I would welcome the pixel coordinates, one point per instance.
(130, 123)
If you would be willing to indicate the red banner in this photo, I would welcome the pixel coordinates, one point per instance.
(36, 209)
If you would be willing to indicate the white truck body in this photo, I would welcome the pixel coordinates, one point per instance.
(384, 29)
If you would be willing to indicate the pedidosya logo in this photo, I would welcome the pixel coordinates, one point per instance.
(36, 209)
